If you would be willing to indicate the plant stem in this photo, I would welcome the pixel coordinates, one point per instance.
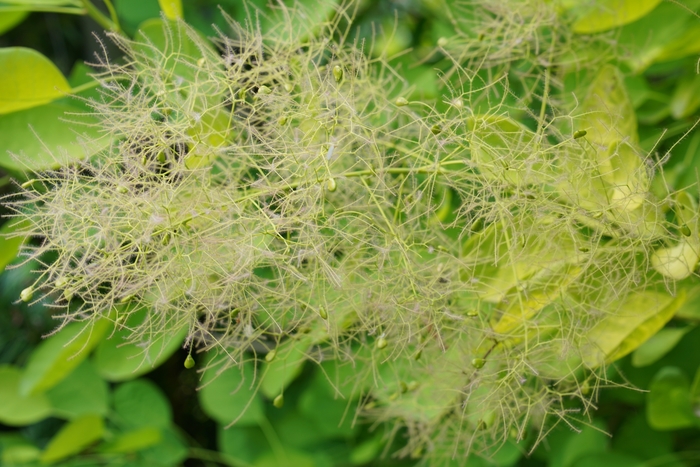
(45, 9)
(100, 17)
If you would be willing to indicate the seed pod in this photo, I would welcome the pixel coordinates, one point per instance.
(685, 230)
(478, 363)
(61, 282)
(381, 343)
(580, 134)
(412, 385)
(68, 295)
(442, 42)
(278, 401)
(472, 314)
(271, 355)
(122, 189)
(418, 355)
(435, 129)
(457, 103)
(289, 87)
(322, 311)
(263, 90)
(189, 362)
(201, 62)
(403, 386)
(338, 73)
(26, 294)
(401, 101)
(331, 185)
(282, 120)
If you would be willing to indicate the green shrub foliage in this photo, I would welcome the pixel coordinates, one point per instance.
(471, 264)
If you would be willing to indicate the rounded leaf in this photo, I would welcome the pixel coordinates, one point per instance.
(17, 409)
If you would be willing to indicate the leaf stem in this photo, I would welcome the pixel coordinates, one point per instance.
(100, 17)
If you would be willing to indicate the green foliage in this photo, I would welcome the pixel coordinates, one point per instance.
(458, 245)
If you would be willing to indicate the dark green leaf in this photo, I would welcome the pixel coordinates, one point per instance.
(82, 392)
(141, 403)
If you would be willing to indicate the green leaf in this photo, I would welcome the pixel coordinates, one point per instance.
(628, 325)
(231, 395)
(28, 79)
(43, 3)
(118, 360)
(601, 16)
(132, 441)
(170, 452)
(669, 401)
(285, 458)
(73, 438)
(657, 346)
(686, 98)
(58, 355)
(9, 247)
(10, 19)
(242, 443)
(332, 416)
(48, 136)
(82, 392)
(17, 409)
(171, 8)
(141, 403)
(276, 375)
(568, 446)
(616, 459)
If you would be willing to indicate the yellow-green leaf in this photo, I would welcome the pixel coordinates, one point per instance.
(171, 8)
(286, 366)
(58, 355)
(658, 345)
(132, 441)
(73, 438)
(10, 19)
(604, 15)
(9, 246)
(686, 98)
(28, 79)
(17, 409)
(628, 325)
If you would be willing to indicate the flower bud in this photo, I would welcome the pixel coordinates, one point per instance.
(271, 355)
(26, 294)
(338, 73)
(189, 362)
(331, 185)
(401, 101)
(478, 363)
(381, 343)
(278, 401)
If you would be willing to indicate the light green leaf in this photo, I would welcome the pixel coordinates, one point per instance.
(568, 446)
(601, 16)
(285, 458)
(607, 113)
(616, 459)
(17, 409)
(669, 401)
(28, 79)
(132, 441)
(82, 392)
(57, 356)
(73, 438)
(10, 19)
(231, 395)
(9, 247)
(628, 325)
(48, 137)
(141, 403)
(286, 366)
(118, 360)
(171, 8)
(686, 98)
(657, 346)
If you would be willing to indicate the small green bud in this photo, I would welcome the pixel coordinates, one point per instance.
(278, 401)
(68, 295)
(61, 282)
(580, 134)
(166, 238)
(685, 230)
(201, 62)
(412, 385)
(322, 311)
(338, 73)
(442, 42)
(331, 185)
(418, 355)
(122, 189)
(457, 103)
(189, 362)
(381, 343)
(401, 101)
(161, 158)
(264, 90)
(289, 87)
(403, 386)
(481, 37)
(241, 94)
(26, 294)
(472, 314)
(271, 355)
(28, 183)
(282, 120)
(435, 129)
(126, 299)
(478, 363)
